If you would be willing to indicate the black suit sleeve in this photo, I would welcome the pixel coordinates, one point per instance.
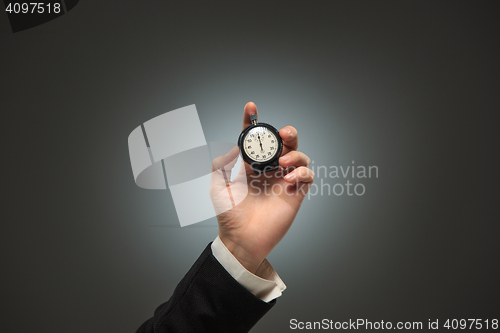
(208, 299)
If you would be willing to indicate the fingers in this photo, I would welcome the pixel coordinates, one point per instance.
(294, 158)
(250, 108)
(227, 161)
(290, 139)
(300, 175)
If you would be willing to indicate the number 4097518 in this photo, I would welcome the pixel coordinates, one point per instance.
(33, 8)
(471, 324)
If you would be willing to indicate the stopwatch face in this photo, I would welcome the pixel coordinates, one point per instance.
(260, 144)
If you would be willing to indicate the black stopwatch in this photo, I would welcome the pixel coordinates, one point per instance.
(260, 146)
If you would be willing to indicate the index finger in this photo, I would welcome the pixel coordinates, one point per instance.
(250, 108)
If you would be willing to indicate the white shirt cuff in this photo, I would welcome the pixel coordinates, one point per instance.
(265, 283)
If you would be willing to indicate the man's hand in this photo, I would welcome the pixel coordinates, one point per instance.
(252, 228)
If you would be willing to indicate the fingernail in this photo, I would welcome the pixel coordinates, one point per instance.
(290, 176)
(285, 158)
(290, 134)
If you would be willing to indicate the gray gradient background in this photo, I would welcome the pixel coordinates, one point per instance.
(412, 87)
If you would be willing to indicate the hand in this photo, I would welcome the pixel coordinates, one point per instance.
(253, 227)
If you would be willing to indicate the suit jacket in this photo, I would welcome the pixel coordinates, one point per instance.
(207, 299)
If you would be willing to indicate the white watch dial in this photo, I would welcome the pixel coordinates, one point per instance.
(260, 144)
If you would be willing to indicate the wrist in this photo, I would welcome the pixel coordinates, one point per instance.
(248, 260)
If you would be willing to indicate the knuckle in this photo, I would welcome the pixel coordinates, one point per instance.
(305, 159)
(303, 172)
(216, 162)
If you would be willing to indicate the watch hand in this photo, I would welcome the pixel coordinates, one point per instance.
(260, 142)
